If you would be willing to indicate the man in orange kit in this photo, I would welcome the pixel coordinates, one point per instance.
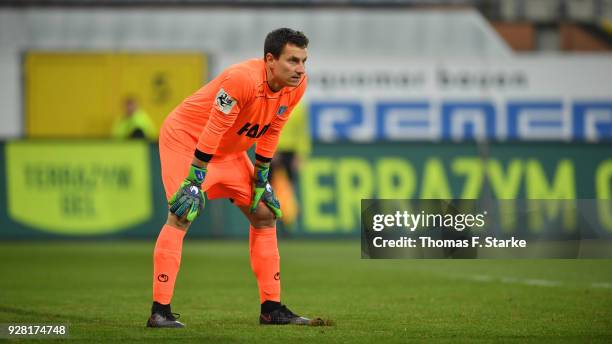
(203, 145)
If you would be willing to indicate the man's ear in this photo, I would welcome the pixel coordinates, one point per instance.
(269, 57)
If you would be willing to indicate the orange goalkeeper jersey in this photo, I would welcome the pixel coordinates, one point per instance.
(234, 111)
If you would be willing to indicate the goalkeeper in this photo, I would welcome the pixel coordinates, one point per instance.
(202, 146)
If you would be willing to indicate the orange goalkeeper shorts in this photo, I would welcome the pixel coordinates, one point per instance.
(228, 176)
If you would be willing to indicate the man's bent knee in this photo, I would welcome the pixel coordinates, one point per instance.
(263, 217)
(177, 222)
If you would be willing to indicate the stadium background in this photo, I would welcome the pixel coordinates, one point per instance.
(407, 99)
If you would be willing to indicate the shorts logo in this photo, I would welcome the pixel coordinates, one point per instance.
(162, 278)
(224, 102)
(281, 110)
(277, 276)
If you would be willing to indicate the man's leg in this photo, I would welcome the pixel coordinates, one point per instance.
(169, 244)
(166, 263)
(263, 247)
(235, 182)
(265, 262)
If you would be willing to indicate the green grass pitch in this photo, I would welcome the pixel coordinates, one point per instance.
(103, 290)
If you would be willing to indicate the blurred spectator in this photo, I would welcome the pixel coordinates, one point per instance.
(135, 123)
(293, 150)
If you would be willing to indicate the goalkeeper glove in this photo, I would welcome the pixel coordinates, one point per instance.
(262, 190)
(189, 199)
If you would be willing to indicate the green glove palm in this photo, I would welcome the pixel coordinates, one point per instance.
(189, 201)
(262, 190)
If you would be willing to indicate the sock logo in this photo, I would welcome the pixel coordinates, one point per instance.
(277, 276)
(162, 278)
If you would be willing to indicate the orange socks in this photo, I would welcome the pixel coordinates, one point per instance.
(265, 262)
(166, 262)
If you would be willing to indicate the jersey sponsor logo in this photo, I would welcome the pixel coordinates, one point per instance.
(224, 102)
(281, 110)
(252, 130)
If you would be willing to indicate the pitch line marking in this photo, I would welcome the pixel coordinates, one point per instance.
(529, 281)
(603, 285)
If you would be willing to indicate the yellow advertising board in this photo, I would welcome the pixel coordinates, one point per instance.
(82, 188)
(79, 95)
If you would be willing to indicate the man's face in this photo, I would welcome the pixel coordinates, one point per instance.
(290, 66)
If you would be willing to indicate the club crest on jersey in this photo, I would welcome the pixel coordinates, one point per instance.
(224, 102)
(281, 110)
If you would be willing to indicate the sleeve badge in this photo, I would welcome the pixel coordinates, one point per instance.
(224, 102)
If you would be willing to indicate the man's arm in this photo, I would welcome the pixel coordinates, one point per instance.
(264, 151)
(189, 199)
(266, 146)
(262, 191)
(228, 100)
(199, 163)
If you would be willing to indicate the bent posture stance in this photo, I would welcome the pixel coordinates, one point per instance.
(202, 147)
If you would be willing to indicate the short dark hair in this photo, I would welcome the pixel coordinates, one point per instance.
(277, 39)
